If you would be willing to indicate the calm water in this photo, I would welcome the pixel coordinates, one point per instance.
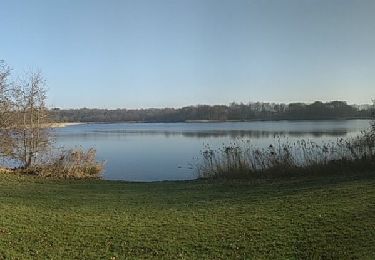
(169, 151)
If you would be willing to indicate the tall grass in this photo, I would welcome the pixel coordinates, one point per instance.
(241, 159)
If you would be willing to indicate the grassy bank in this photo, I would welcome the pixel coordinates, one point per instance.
(326, 216)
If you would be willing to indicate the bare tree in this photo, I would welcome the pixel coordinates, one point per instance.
(5, 109)
(25, 134)
(29, 132)
(4, 94)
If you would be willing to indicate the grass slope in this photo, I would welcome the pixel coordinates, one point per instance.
(328, 217)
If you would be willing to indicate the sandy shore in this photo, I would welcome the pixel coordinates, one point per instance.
(60, 125)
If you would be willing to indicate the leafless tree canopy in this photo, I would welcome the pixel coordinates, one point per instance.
(4, 94)
(5, 109)
(23, 116)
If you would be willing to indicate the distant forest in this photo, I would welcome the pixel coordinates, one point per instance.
(234, 111)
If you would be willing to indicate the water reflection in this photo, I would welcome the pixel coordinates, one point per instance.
(210, 134)
(227, 133)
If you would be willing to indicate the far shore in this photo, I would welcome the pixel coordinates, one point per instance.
(66, 124)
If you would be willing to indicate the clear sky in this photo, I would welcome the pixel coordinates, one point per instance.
(159, 53)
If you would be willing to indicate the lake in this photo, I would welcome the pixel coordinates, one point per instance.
(171, 151)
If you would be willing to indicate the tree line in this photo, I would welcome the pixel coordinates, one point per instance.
(236, 112)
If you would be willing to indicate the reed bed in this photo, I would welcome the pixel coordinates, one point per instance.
(241, 159)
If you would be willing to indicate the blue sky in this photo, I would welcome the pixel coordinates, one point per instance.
(172, 53)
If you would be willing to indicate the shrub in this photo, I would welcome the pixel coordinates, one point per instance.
(74, 163)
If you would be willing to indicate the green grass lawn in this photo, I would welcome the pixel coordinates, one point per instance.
(328, 217)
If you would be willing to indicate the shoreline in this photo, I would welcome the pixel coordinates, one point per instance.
(62, 125)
